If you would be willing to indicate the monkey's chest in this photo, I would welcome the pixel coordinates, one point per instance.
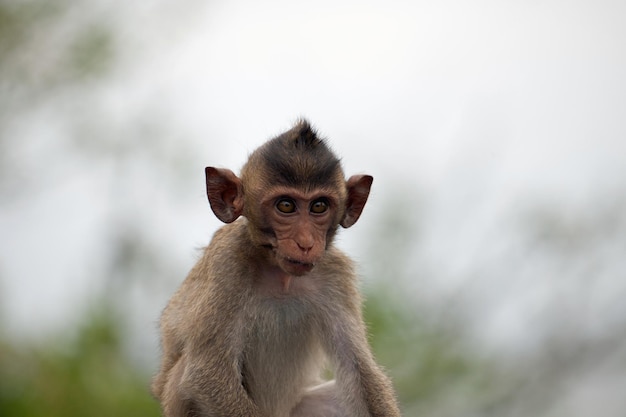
(282, 353)
(282, 332)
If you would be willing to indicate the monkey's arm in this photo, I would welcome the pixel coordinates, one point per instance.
(202, 345)
(205, 380)
(214, 383)
(362, 384)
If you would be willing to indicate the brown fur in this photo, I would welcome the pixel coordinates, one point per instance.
(246, 336)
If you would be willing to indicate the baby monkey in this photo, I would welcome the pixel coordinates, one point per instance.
(272, 303)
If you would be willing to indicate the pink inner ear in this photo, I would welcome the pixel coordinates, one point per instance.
(225, 193)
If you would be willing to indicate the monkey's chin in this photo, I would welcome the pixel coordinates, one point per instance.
(295, 267)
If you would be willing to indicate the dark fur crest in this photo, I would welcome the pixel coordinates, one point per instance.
(299, 158)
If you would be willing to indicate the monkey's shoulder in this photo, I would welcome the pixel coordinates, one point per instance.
(338, 261)
(339, 258)
(337, 271)
(231, 236)
(228, 251)
(221, 259)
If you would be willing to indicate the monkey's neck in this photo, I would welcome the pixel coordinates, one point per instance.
(285, 280)
(275, 282)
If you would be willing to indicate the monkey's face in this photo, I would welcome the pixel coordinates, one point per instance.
(297, 224)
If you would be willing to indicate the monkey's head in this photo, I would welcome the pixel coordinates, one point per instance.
(294, 194)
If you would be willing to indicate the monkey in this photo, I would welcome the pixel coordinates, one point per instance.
(272, 304)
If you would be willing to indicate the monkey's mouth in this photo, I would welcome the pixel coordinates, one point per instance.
(297, 267)
(300, 263)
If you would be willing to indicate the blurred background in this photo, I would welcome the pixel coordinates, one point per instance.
(492, 250)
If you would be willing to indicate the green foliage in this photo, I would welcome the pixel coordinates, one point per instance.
(87, 376)
(423, 348)
(427, 361)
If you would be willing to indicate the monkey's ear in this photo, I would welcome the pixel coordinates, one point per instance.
(225, 193)
(358, 191)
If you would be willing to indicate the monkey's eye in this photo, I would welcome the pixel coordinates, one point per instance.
(319, 206)
(286, 205)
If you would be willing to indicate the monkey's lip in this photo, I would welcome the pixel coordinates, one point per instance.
(301, 267)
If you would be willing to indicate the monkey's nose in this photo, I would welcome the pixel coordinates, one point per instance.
(305, 247)
(305, 243)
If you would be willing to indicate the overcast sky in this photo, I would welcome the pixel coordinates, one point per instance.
(478, 107)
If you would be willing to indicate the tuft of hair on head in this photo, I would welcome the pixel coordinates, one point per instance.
(297, 158)
(304, 135)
